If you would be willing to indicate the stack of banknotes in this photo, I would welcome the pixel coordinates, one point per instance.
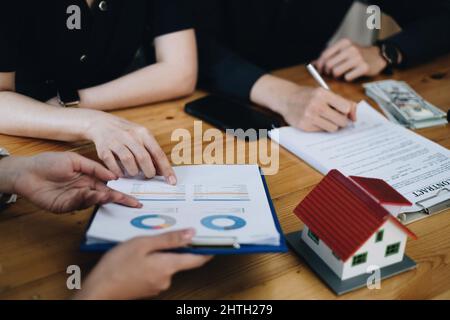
(402, 105)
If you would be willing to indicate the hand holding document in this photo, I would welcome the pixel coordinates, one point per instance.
(374, 147)
(226, 205)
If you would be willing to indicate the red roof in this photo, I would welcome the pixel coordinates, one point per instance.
(382, 191)
(343, 215)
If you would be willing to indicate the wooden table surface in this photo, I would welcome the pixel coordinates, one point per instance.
(36, 247)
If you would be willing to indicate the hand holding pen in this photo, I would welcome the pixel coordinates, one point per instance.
(315, 74)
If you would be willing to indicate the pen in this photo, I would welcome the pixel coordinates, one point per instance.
(215, 242)
(317, 76)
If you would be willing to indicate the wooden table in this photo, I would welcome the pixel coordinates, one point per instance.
(36, 247)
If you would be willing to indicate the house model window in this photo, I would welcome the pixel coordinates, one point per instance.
(392, 249)
(359, 259)
(379, 236)
(313, 237)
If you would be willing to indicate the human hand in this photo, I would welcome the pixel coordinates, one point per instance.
(63, 182)
(305, 108)
(140, 268)
(132, 145)
(317, 109)
(351, 61)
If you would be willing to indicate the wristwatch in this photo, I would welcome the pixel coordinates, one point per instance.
(6, 199)
(68, 98)
(390, 53)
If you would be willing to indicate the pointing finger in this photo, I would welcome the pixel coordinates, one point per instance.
(91, 168)
(160, 160)
(116, 196)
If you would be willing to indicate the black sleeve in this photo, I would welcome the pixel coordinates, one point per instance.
(224, 72)
(221, 70)
(10, 33)
(425, 28)
(168, 16)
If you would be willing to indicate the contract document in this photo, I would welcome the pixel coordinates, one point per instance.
(226, 205)
(373, 147)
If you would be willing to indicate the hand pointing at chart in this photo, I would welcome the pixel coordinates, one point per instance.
(60, 182)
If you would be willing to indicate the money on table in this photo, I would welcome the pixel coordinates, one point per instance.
(404, 106)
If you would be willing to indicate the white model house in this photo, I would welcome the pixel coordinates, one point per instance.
(350, 224)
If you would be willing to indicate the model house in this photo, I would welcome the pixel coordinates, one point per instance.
(350, 224)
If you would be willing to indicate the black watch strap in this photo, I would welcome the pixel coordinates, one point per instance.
(390, 53)
(68, 97)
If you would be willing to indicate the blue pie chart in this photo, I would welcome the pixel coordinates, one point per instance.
(210, 222)
(147, 222)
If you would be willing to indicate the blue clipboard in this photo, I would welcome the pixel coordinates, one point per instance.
(244, 249)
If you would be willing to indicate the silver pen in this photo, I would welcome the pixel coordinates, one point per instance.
(231, 242)
(316, 75)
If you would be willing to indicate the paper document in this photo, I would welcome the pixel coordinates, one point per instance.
(220, 202)
(374, 147)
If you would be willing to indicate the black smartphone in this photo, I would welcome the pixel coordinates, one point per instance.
(225, 113)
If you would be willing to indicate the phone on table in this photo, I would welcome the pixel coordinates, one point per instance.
(225, 113)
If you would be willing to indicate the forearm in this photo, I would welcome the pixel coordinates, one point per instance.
(271, 92)
(25, 117)
(158, 82)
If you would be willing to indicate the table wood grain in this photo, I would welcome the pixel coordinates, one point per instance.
(36, 247)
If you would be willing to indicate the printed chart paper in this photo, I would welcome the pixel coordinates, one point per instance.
(218, 201)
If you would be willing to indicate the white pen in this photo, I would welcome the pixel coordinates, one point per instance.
(215, 242)
(316, 75)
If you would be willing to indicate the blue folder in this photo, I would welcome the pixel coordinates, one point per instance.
(244, 249)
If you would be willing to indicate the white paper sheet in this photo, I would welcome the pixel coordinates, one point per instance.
(218, 201)
(416, 167)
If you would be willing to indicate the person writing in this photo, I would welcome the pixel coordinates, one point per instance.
(240, 41)
(63, 182)
(63, 64)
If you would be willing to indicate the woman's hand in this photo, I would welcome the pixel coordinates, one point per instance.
(123, 144)
(140, 268)
(63, 182)
(351, 61)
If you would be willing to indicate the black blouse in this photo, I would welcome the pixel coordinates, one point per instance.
(47, 56)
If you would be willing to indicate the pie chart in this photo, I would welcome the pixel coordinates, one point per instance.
(223, 222)
(153, 222)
